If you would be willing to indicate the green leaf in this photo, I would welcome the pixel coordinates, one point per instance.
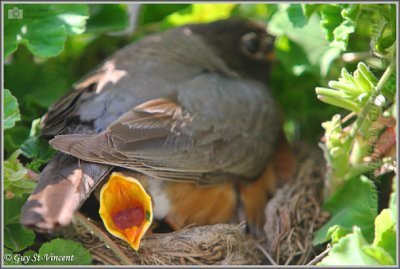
(353, 249)
(354, 203)
(16, 178)
(55, 36)
(8, 257)
(336, 232)
(338, 22)
(29, 257)
(296, 15)
(12, 209)
(309, 9)
(39, 85)
(10, 38)
(17, 237)
(393, 197)
(384, 29)
(43, 28)
(301, 55)
(107, 18)
(72, 16)
(11, 111)
(350, 91)
(331, 19)
(152, 13)
(39, 150)
(262, 12)
(197, 13)
(379, 254)
(341, 34)
(385, 232)
(64, 252)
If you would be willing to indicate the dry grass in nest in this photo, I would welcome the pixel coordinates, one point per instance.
(295, 213)
(219, 244)
(292, 216)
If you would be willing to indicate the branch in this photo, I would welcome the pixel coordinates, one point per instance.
(103, 237)
(321, 256)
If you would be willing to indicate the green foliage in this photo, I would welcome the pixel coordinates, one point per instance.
(55, 252)
(107, 18)
(155, 13)
(199, 13)
(384, 31)
(350, 91)
(354, 150)
(36, 148)
(298, 54)
(260, 12)
(385, 232)
(60, 248)
(11, 111)
(338, 22)
(296, 15)
(42, 28)
(393, 197)
(353, 249)
(16, 237)
(16, 177)
(353, 203)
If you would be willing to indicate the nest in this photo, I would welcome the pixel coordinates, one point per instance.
(220, 244)
(292, 215)
(295, 213)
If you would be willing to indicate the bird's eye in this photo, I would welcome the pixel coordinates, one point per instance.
(250, 43)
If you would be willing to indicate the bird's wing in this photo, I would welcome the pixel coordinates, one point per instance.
(63, 186)
(214, 127)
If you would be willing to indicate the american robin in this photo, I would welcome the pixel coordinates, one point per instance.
(189, 110)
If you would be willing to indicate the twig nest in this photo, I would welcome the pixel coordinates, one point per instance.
(220, 244)
(294, 213)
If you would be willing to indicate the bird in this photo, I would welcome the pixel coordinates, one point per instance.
(183, 120)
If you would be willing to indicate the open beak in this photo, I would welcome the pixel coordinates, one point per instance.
(125, 208)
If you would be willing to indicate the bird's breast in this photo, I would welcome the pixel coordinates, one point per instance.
(161, 201)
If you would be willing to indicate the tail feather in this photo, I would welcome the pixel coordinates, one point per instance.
(63, 186)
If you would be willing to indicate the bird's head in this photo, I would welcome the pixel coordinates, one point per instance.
(244, 45)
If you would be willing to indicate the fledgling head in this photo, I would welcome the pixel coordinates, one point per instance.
(243, 44)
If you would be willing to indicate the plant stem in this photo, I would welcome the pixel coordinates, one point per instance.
(103, 237)
(364, 112)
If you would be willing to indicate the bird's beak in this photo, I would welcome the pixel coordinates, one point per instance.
(125, 208)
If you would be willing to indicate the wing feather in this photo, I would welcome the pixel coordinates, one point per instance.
(214, 126)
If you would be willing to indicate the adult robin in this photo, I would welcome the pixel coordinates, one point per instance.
(189, 110)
